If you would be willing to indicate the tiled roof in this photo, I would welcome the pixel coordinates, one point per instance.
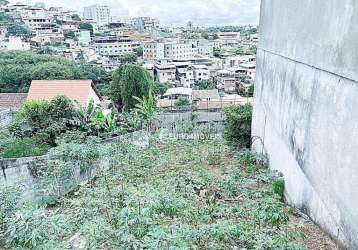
(12, 100)
(76, 90)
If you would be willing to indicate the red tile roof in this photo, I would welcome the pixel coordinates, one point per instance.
(76, 90)
(12, 100)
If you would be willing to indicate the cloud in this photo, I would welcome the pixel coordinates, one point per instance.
(201, 12)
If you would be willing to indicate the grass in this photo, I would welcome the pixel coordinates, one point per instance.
(175, 194)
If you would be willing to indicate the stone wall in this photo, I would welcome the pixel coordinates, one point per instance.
(6, 116)
(305, 111)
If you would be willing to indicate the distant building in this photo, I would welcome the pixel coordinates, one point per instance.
(143, 24)
(153, 51)
(175, 93)
(81, 91)
(15, 43)
(205, 47)
(164, 71)
(201, 73)
(84, 37)
(98, 13)
(179, 51)
(114, 47)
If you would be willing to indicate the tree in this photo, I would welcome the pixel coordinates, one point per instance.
(129, 81)
(161, 88)
(128, 58)
(18, 68)
(182, 101)
(86, 26)
(216, 36)
(206, 84)
(139, 51)
(76, 17)
(205, 35)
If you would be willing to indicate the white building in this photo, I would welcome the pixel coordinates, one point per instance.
(165, 71)
(15, 43)
(98, 13)
(153, 51)
(201, 73)
(179, 51)
(114, 46)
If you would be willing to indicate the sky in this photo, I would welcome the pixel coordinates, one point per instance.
(176, 12)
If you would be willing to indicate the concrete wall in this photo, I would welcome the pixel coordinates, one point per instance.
(21, 172)
(305, 111)
(6, 116)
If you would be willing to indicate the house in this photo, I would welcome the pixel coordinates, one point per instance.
(80, 91)
(12, 100)
(205, 94)
(175, 93)
(165, 71)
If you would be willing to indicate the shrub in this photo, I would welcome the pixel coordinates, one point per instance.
(182, 101)
(46, 120)
(16, 148)
(238, 126)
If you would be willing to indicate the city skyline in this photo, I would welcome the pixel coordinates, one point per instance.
(200, 12)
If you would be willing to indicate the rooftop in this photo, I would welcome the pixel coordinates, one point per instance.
(12, 100)
(76, 90)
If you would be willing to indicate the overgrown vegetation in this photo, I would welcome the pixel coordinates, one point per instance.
(175, 194)
(238, 126)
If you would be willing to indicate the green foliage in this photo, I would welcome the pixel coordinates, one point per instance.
(23, 147)
(9, 200)
(164, 196)
(206, 84)
(87, 26)
(76, 17)
(14, 28)
(279, 188)
(161, 88)
(139, 51)
(182, 101)
(130, 58)
(129, 81)
(145, 107)
(93, 121)
(18, 68)
(238, 126)
(46, 120)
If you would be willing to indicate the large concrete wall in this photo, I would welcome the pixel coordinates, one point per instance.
(306, 107)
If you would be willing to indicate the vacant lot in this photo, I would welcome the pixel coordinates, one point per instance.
(175, 194)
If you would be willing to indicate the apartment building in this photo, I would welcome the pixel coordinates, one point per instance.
(112, 46)
(153, 51)
(179, 51)
(37, 20)
(99, 13)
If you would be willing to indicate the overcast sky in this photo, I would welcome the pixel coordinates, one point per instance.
(201, 12)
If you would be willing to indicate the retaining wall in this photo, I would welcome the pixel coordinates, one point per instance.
(306, 107)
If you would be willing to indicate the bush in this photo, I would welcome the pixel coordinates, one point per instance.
(182, 101)
(238, 126)
(43, 119)
(16, 148)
